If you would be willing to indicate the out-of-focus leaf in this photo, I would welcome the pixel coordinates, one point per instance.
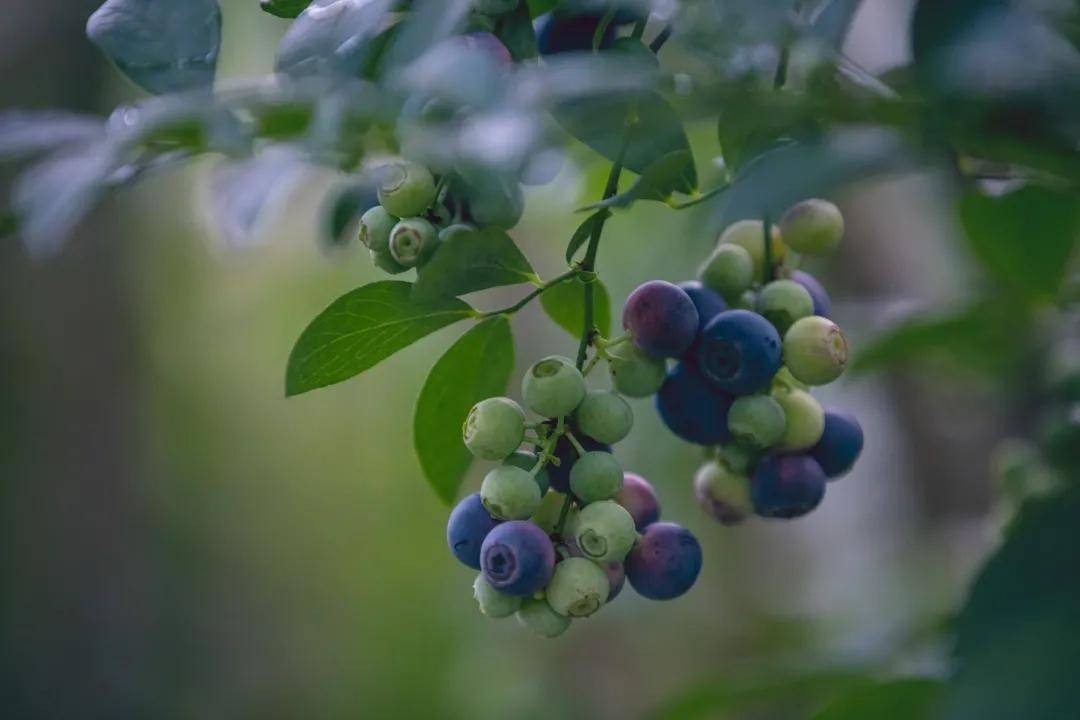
(27, 133)
(654, 184)
(476, 367)
(332, 38)
(284, 8)
(341, 209)
(1018, 636)
(1024, 239)
(565, 305)
(773, 697)
(832, 22)
(241, 194)
(429, 23)
(745, 134)
(162, 45)
(581, 235)
(360, 329)
(516, 32)
(468, 260)
(539, 7)
(906, 699)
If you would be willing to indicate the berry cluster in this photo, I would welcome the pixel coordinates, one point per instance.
(751, 336)
(557, 529)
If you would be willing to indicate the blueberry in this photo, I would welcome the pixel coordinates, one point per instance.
(665, 562)
(692, 408)
(527, 461)
(815, 351)
(840, 444)
(750, 235)
(814, 227)
(510, 493)
(729, 270)
(375, 227)
(604, 531)
(595, 476)
(640, 500)
(492, 47)
(787, 486)
(723, 493)
(406, 189)
(469, 524)
(822, 303)
(782, 302)
(517, 558)
(604, 415)
(707, 301)
(553, 387)
(804, 420)
(662, 319)
(537, 616)
(633, 373)
(578, 588)
(491, 200)
(412, 241)
(494, 428)
(567, 455)
(616, 573)
(756, 420)
(493, 603)
(739, 352)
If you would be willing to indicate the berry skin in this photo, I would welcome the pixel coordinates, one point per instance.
(729, 270)
(604, 531)
(805, 420)
(537, 616)
(756, 420)
(527, 461)
(787, 486)
(665, 562)
(466, 529)
(406, 189)
(639, 499)
(722, 493)
(375, 227)
(517, 558)
(605, 416)
(494, 428)
(692, 408)
(814, 227)
(494, 202)
(840, 444)
(750, 235)
(412, 241)
(547, 515)
(553, 387)
(815, 351)
(595, 476)
(707, 301)
(510, 493)
(616, 573)
(739, 352)
(578, 588)
(633, 373)
(782, 302)
(493, 603)
(822, 303)
(567, 455)
(662, 318)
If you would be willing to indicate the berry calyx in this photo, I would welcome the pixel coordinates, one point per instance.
(494, 428)
(815, 351)
(517, 558)
(578, 588)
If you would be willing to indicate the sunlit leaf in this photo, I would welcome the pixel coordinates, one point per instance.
(468, 260)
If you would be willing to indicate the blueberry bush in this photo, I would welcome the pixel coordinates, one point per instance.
(437, 113)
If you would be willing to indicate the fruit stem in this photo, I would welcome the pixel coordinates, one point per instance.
(768, 264)
(511, 309)
(574, 441)
(563, 513)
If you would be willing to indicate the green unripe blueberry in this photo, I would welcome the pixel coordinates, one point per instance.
(527, 461)
(386, 262)
(375, 227)
(553, 387)
(537, 616)
(496, 204)
(604, 531)
(494, 428)
(412, 241)
(750, 235)
(805, 420)
(782, 302)
(815, 351)
(578, 588)
(548, 513)
(633, 373)
(509, 493)
(757, 420)
(729, 270)
(814, 227)
(723, 493)
(784, 381)
(746, 301)
(493, 603)
(595, 476)
(604, 416)
(406, 189)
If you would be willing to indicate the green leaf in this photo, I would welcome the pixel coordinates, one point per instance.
(1024, 239)
(515, 29)
(477, 366)
(163, 46)
(361, 328)
(654, 184)
(334, 39)
(539, 7)
(791, 697)
(284, 8)
(903, 699)
(582, 234)
(565, 305)
(468, 260)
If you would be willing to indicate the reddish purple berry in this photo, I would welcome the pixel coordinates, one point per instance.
(662, 318)
(693, 408)
(665, 562)
(639, 499)
(469, 524)
(840, 443)
(517, 558)
(787, 486)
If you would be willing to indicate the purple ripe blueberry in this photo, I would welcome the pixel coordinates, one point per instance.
(517, 558)
(787, 486)
(692, 408)
(662, 319)
(639, 499)
(722, 493)
(739, 352)
(469, 524)
(557, 33)
(840, 444)
(665, 562)
(565, 453)
(707, 301)
(822, 303)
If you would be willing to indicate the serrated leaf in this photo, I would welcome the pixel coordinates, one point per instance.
(907, 698)
(162, 45)
(477, 366)
(362, 328)
(582, 234)
(334, 38)
(654, 184)
(515, 29)
(468, 260)
(565, 305)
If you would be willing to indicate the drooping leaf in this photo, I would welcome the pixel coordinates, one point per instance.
(243, 194)
(565, 305)
(581, 235)
(907, 698)
(362, 328)
(284, 8)
(653, 184)
(515, 29)
(26, 133)
(476, 367)
(1024, 239)
(162, 45)
(333, 38)
(468, 260)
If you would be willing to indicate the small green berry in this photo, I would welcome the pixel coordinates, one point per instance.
(548, 513)
(604, 416)
(406, 189)
(578, 588)
(633, 373)
(815, 351)
(375, 227)
(553, 387)
(729, 270)
(757, 420)
(604, 531)
(537, 616)
(814, 227)
(412, 241)
(493, 603)
(527, 461)
(782, 302)
(750, 234)
(509, 493)
(386, 262)
(723, 493)
(496, 203)
(805, 420)
(494, 428)
(595, 476)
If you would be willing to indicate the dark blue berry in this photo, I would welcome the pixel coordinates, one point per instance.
(662, 319)
(840, 443)
(708, 303)
(517, 558)
(787, 486)
(822, 303)
(469, 524)
(665, 562)
(739, 352)
(692, 408)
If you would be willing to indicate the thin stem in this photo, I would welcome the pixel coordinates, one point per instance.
(767, 238)
(561, 524)
(574, 441)
(639, 29)
(591, 364)
(659, 40)
(699, 198)
(511, 309)
(781, 67)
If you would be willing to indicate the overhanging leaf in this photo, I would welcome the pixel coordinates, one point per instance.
(477, 366)
(468, 260)
(654, 184)
(362, 328)
(565, 305)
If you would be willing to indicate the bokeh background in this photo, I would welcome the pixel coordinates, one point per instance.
(179, 540)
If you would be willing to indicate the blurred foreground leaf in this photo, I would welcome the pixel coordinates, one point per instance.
(284, 8)
(468, 260)
(565, 305)
(903, 699)
(655, 183)
(331, 39)
(515, 29)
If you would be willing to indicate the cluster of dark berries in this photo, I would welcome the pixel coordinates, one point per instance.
(751, 336)
(556, 529)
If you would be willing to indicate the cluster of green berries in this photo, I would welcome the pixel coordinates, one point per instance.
(750, 337)
(556, 529)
